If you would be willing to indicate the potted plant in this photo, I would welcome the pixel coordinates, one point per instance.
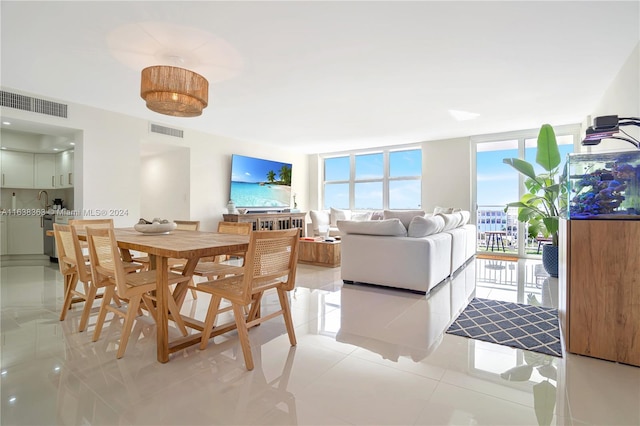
(540, 206)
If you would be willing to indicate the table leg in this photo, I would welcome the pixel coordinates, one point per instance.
(162, 294)
(181, 289)
(493, 240)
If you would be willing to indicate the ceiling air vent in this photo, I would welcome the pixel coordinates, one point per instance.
(27, 103)
(163, 130)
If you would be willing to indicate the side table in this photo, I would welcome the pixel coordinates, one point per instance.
(319, 253)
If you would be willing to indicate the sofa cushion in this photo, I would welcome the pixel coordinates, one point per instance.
(386, 227)
(377, 215)
(451, 220)
(465, 216)
(405, 216)
(339, 214)
(424, 226)
(361, 216)
(319, 218)
(448, 210)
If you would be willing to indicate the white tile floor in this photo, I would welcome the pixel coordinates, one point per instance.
(365, 355)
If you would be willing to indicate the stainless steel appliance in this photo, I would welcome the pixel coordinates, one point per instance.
(49, 243)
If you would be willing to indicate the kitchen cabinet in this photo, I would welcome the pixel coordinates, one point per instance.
(64, 169)
(24, 235)
(17, 169)
(3, 235)
(45, 171)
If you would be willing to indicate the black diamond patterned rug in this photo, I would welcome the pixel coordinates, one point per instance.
(533, 328)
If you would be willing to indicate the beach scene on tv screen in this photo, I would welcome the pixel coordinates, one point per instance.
(260, 183)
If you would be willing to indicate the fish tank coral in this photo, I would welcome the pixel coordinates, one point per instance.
(604, 185)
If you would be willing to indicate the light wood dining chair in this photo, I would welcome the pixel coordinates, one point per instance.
(108, 270)
(90, 293)
(84, 274)
(74, 261)
(213, 268)
(68, 267)
(270, 263)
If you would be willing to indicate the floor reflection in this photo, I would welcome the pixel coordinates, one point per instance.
(394, 323)
(365, 355)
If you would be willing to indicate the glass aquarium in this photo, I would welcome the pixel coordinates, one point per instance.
(604, 185)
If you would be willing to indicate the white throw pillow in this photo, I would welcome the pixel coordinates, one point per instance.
(424, 226)
(338, 214)
(319, 218)
(451, 220)
(387, 227)
(465, 216)
(361, 216)
(447, 210)
(438, 210)
(405, 216)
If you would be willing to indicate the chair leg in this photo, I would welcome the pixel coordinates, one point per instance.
(254, 312)
(70, 282)
(284, 303)
(132, 313)
(209, 320)
(88, 305)
(109, 293)
(243, 334)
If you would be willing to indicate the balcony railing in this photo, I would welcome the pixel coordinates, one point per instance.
(492, 219)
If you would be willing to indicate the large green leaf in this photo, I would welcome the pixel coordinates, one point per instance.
(521, 166)
(548, 154)
(552, 224)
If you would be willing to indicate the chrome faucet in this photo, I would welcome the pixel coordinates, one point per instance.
(47, 206)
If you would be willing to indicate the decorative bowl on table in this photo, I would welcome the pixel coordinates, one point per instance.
(155, 227)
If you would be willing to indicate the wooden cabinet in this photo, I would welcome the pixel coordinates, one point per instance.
(270, 221)
(45, 171)
(17, 169)
(64, 169)
(599, 293)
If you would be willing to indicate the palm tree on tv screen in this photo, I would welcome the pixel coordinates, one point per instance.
(285, 175)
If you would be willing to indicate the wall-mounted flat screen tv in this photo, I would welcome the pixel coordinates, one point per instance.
(259, 184)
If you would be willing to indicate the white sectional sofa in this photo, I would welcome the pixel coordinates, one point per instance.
(407, 249)
(326, 220)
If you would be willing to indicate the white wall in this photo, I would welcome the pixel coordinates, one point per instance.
(165, 185)
(622, 98)
(108, 162)
(446, 174)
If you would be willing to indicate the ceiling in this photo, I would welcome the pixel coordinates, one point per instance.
(316, 76)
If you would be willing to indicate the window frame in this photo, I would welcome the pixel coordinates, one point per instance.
(385, 179)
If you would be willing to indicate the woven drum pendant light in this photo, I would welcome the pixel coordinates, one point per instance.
(174, 91)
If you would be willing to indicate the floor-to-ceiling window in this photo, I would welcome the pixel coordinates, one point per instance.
(373, 180)
(497, 184)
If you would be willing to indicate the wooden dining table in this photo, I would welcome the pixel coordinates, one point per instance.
(180, 244)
